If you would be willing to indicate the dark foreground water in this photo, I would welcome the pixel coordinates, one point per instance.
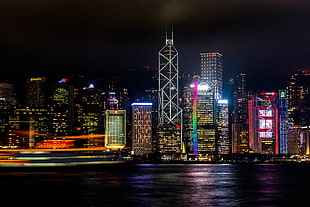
(162, 185)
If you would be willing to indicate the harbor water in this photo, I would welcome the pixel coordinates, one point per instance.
(160, 185)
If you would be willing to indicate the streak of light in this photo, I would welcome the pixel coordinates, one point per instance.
(55, 150)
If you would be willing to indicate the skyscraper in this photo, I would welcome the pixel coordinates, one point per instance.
(142, 128)
(240, 127)
(208, 90)
(212, 72)
(222, 124)
(91, 110)
(169, 111)
(7, 104)
(36, 91)
(115, 128)
(264, 123)
(298, 95)
(168, 82)
(283, 123)
(6, 91)
(62, 109)
(206, 123)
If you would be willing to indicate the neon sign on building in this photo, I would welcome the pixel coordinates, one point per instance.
(263, 123)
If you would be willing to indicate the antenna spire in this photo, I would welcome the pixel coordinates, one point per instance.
(169, 38)
(166, 32)
(172, 32)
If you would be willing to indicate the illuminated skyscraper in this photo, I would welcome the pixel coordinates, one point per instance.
(222, 124)
(212, 72)
(240, 127)
(264, 123)
(169, 111)
(269, 123)
(7, 104)
(168, 102)
(6, 91)
(35, 121)
(62, 110)
(115, 128)
(142, 128)
(206, 123)
(298, 96)
(36, 91)
(91, 110)
(209, 90)
(188, 110)
(283, 123)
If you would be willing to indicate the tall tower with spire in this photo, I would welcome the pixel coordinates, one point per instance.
(169, 111)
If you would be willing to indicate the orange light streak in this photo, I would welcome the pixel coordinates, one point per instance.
(55, 150)
(86, 136)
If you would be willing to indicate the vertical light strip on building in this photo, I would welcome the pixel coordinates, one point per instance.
(283, 122)
(195, 102)
(277, 131)
(251, 130)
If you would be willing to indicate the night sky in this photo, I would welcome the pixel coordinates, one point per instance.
(262, 38)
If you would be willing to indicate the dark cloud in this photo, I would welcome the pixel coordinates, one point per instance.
(254, 36)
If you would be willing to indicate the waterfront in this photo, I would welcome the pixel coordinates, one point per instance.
(161, 185)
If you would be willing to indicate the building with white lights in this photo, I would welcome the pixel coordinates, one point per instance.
(212, 72)
(115, 128)
(222, 124)
(169, 112)
(268, 123)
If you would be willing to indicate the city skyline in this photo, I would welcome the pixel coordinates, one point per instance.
(260, 38)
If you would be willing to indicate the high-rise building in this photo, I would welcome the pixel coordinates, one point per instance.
(283, 123)
(91, 119)
(169, 111)
(263, 123)
(207, 91)
(298, 96)
(187, 108)
(212, 72)
(115, 128)
(206, 123)
(6, 111)
(222, 124)
(62, 110)
(240, 127)
(6, 91)
(29, 125)
(36, 91)
(7, 104)
(142, 128)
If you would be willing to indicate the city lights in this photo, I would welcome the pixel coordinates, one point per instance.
(196, 117)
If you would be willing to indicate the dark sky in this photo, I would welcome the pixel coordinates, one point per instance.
(260, 37)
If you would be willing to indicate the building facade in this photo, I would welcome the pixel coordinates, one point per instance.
(240, 127)
(36, 91)
(212, 72)
(62, 109)
(263, 123)
(142, 128)
(169, 111)
(115, 128)
(222, 124)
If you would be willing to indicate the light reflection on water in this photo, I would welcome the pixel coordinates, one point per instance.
(181, 185)
(162, 185)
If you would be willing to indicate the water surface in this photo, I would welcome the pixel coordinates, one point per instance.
(162, 185)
